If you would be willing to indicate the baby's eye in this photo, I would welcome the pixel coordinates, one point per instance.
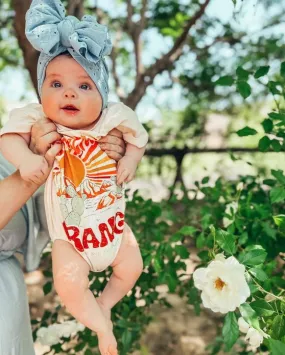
(56, 84)
(85, 87)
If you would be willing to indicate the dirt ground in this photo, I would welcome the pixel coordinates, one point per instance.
(174, 331)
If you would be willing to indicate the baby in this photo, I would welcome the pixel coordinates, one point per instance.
(84, 194)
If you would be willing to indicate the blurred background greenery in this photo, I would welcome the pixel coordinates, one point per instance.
(174, 61)
(166, 59)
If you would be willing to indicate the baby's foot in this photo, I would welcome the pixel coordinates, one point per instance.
(106, 311)
(107, 343)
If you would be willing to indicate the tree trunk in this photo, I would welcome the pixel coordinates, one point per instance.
(29, 53)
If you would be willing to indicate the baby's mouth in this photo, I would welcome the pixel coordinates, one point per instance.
(70, 108)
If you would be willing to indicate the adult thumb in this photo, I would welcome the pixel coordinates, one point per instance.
(51, 153)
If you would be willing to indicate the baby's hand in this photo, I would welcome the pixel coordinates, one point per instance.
(34, 169)
(127, 167)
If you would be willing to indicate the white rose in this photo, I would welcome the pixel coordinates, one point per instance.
(52, 334)
(233, 206)
(140, 303)
(243, 325)
(223, 285)
(220, 257)
(80, 327)
(67, 328)
(48, 336)
(254, 338)
(240, 186)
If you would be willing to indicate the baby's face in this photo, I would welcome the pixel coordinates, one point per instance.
(67, 83)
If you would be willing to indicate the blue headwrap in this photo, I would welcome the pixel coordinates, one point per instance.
(52, 33)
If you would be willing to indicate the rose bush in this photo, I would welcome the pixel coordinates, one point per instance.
(246, 221)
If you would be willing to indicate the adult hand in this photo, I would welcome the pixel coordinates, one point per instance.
(43, 135)
(113, 144)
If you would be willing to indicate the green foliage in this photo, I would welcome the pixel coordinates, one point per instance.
(255, 232)
(230, 330)
(163, 253)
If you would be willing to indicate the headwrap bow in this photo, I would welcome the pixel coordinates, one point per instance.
(52, 33)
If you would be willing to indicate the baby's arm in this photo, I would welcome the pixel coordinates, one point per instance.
(14, 148)
(127, 166)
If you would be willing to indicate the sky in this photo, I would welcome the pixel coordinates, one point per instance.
(13, 81)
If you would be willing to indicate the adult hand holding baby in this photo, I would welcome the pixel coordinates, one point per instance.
(44, 134)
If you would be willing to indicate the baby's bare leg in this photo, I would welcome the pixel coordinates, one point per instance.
(127, 267)
(70, 273)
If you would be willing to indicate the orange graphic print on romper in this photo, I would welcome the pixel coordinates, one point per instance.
(91, 203)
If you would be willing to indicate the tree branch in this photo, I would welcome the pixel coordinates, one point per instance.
(176, 152)
(75, 8)
(165, 61)
(143, 14)
(130, 12)
(119, 89)
(29, 53)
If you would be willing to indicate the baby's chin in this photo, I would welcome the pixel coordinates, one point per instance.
(72, 120)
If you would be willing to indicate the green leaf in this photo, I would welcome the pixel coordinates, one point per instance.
(126, 338)
(259, 274)
(244, 89)
(282, 69)
(46, 315)
(277, 116)
(230, 330)
(246, 131)
(201, 241)
(279, 220)
(92, 341)
(88, 352)
(205, 180)
(79, 346)
(264, 144)
(175, 237)
(47, 273)
(182, 251)
(277, 194)
(267, 125)
(262, 308)
(278, 327)
(274, 87)
(157, 265)
(279, 176)
(47, 288)
(249, 315)
(187, 230)
(277, 347)
(269, 182)
(226, 241)
(242, 74)
(171, 283)
(253, 257)
(275, 144)
(226, 80)
(261, 71)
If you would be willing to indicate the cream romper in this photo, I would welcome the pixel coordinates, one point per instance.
(84, 205)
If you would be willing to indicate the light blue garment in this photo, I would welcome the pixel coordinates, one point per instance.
(27, 233)
(52, 33)
(15, 329)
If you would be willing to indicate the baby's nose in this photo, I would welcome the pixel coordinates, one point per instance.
(69, 93)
